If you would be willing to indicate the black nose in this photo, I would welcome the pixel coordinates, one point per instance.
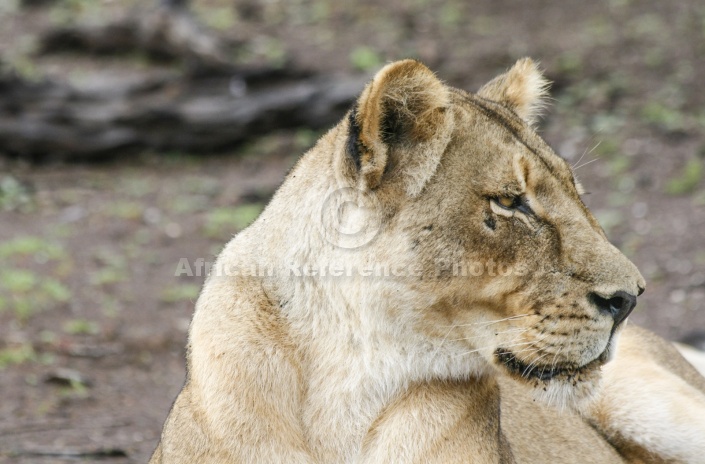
(618, 305)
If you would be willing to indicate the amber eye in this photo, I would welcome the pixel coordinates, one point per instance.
(509, 202)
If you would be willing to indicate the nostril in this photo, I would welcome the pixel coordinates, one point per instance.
(616, 303)
(603, 304)
(619, 305)
(641, 290)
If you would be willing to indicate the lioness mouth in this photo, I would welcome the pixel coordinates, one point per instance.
(543, 372)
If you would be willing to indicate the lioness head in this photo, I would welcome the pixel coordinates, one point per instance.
(504, 260)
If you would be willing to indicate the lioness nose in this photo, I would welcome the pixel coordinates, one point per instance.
(618, 305)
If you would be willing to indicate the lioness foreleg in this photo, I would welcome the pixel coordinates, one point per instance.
(652, 402)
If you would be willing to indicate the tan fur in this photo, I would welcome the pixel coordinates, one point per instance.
(523, 89)
(290, 361)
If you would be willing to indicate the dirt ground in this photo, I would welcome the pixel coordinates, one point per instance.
(93, 319)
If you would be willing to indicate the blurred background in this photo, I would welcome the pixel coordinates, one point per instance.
(135, 134)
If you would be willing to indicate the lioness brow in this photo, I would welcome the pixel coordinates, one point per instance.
(493, 111)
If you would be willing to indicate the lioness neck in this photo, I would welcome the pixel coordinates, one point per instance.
(382, 359)
(364, 319)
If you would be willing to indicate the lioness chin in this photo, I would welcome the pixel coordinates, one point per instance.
(424, 272)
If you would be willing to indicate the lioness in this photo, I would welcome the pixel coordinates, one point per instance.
(427, 260)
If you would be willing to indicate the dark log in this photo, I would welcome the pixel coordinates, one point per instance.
(51, 120)
(175, 3)
(37, 3)
(210, 105)
(97, 453)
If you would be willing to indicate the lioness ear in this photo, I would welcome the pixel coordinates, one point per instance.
(523, 89)
(403, 110)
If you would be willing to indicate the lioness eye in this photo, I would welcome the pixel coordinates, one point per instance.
(509, 202)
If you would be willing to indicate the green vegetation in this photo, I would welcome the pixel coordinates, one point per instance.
(17, 355)
(227, 220)
(128, 210)
(263, 49)
(220, 18)
(108, 276)
(14, 195)
(30, 246)
(450, 15)
(365, 59)
(180, 292)
(113, 269)
(618, 165)
(81, 327)
(687, 180)
(663, 117)
(608, 147)
(25, 291)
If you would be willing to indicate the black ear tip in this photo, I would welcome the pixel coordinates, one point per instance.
(352, 147)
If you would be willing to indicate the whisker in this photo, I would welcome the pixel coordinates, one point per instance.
(444, 339)
(532, 363)
(516, 330)
(553, 362)
(585, 152)
(586, 163)
(510, 318)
